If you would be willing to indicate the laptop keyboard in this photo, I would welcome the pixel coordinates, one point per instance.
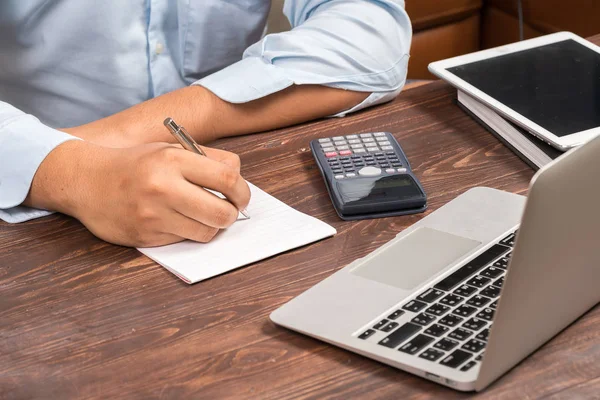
(449, 323)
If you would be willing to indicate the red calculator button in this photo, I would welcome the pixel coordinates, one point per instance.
(331, 154)
(345, 152)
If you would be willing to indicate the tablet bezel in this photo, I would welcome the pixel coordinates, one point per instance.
(440, 69)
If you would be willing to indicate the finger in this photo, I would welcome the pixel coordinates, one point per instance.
(187, 228)
(202, 206)
(211, 174)
(226, 157)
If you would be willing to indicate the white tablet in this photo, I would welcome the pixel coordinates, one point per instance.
(549, 85)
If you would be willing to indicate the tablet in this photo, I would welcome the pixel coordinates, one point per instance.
(549, 85)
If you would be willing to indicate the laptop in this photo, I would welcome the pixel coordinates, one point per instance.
(472, 289)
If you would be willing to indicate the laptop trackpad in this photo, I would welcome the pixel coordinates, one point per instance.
(415, 258)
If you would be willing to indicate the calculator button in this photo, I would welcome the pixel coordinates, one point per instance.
(360, 151)
(350, 175)
(369, 171)
(373, 149)
(343, 148)
(337, 171)
(390, 170)
(366, 135)
(387, 148)
(352, 137)
(385, 143)
(339, 177)
(382, 139)
(339, 138)
(354, 141)
(379, 134)
(328, 149)
(390, 153)
(368, 140)
(345, 152)
(325, 140)
(357, 146)
(401, 170)
(331, 154)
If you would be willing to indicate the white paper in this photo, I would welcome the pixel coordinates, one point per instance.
(273, 228)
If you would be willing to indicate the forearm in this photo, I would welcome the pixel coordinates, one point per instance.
(207, 117)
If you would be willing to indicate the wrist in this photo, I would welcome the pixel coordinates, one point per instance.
(61, 181)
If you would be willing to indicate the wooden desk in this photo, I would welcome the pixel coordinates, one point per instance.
(80, 318)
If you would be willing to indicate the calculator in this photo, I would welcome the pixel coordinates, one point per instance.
(368, 176)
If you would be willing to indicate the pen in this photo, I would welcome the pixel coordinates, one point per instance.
(188, 143)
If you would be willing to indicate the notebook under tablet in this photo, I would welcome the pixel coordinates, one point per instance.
(549, 85)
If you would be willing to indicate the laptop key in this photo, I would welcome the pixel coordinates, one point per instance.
(451, 320)
(438, 309)
(395, 314)
(416, 344)
(471, 267)
(494, 305)
(487, 314)
(479, 357)
(414, 306)
(400, 335)
(380, 324)
(446, 344)
(467, 366)
(483, 335)
(436, 330)
(431, 354)
(492, 272)
(509, 240)
(501, 263)
(430, 295)
(464, 310)
(460, 334)
(390, 327)
(478, 301)
(475, 324)
(456, 358)
(465, 290)
(367, 334)
(474, 345)
(423, 319)
(478, 281)
(491, 291)
(451, 300)
(499, 282)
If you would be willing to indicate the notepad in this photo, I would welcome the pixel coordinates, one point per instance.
(273, 228)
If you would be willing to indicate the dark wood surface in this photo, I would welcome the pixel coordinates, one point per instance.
(80, 318)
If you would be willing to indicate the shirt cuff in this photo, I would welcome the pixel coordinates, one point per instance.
(253, 78)
(24, 144)
(247, 80)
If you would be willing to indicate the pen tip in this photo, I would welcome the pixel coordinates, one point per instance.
(244, 212)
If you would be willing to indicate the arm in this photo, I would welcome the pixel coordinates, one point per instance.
(331, 63)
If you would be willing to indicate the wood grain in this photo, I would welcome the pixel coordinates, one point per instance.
(80, 318)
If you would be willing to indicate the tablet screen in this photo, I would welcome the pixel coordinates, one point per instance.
(557, 86)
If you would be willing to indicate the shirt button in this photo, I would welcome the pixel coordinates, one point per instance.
(159, 48)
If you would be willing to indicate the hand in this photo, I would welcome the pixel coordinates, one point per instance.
(142, 196)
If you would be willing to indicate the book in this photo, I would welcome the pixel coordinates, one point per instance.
(273, 228)
(529, 148)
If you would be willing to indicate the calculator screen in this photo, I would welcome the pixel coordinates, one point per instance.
(395, 187)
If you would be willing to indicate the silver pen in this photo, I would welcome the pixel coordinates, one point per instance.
(188, 143)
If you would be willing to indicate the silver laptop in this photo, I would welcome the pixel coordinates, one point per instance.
(470, 290)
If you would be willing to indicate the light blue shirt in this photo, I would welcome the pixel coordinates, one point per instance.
(68, 62)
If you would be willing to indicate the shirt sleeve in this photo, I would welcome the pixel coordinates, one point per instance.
(24, 144)
(359, 45)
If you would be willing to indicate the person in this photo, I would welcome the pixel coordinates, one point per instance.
(85, 86)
